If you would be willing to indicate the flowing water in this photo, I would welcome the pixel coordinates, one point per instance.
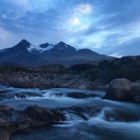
(89, 117)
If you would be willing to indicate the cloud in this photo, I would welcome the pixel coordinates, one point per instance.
(105, 26)
(24, 4)
(83, 9)
(116, 55)
(6, 38)
(127, 48)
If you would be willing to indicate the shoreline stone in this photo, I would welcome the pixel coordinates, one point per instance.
(14, 121)
(123, 90)
(4, 135)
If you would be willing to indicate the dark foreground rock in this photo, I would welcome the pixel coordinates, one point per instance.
(135, 92)
(119, 90)
(79, 95)
(123, 90)
(43, 116)
(4, 135)
(25, 95)
(135, 89)
(13, 121)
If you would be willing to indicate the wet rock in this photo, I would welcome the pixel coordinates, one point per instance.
(119, 89)
(18, 95)
(4, 135)
(83, 113)
(22, 126)
(43, 116)
(24, 95)
(137, 99)
(5, 108)
(135, 89)
(2, 122)
(13, 121)
(123, 90)
(117, 115)
(3, 92)
(80, 95)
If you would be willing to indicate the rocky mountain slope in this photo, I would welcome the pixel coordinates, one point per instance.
(24, 53)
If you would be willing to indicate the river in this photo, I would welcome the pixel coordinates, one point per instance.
(89, 117)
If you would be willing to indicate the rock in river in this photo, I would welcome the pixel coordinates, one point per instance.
(43, 116)
(135, 91)
(13, 121)
(119, 89)
(4, 135)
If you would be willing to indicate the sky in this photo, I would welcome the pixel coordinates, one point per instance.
(110, 27)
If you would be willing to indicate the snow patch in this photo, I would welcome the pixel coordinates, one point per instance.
(47, 48)
(38, 48)
(31, 48)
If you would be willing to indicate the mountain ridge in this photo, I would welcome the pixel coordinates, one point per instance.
(25, 53)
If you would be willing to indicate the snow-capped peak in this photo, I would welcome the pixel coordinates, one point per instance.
(39, 48)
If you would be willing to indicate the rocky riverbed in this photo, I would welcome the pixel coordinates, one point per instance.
(63, 113)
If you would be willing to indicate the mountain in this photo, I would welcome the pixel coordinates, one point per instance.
(24, 53)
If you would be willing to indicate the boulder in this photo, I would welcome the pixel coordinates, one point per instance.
(25, 95)
(4, 135)
(119, 89)
(5, 108)
(2, 122)
(137, 99)
(43, 116)
(18, 95)
(13, 121)
(79, 95)
(118, 115)
(135, 92)
(135, 89)
(19, 126)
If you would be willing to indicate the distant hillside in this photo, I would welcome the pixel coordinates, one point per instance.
(125, 67)
(83, 76)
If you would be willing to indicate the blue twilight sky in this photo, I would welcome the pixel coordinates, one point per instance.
(111, 27)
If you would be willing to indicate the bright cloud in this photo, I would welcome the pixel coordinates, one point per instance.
(83, 9)
(76, 24)
(24, 4)
(116, 55)
(6, 37)
(75, 21)
(79, 19)
(104, 26)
